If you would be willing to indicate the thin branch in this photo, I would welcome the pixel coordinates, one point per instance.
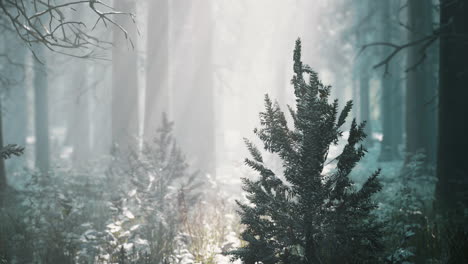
(44, 22)
(426, 41)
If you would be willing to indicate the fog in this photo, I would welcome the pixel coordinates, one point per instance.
(130, 129)
(206, 65)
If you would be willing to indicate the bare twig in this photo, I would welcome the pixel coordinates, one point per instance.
(45, 22)
(425, 41)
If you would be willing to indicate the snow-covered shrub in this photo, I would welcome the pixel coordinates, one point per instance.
(129, 203)
(156, 191)
(48, 217)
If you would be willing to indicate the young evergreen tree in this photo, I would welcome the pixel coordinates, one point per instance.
(308, 216)
(152, 181)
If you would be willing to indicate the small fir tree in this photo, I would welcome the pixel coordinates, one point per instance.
(150, 208)
(308, 216)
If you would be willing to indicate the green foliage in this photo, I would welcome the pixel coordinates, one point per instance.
(413, 231)
(409, 228)
(10, 150)
(127, 211)
(308, 216)
(147, 214)
(45, 219)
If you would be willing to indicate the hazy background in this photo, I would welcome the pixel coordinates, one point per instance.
(207, 64)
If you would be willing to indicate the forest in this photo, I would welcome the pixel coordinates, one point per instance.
(246, 131)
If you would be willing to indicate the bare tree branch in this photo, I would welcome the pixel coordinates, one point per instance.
(425, 43)
(46, 22)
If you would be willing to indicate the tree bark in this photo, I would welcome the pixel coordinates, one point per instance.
(452, 160)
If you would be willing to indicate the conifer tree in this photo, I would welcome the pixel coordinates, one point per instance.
(307, 215)
(156, 177)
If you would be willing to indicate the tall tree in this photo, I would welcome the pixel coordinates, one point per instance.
(3, 177)
(79, 121)
(13, 107)
(420, 86)
(15, 104)
(101, 102)
(389, 148)
(399, 84)
(157, 66)
(41, 111)
(452, 160)
(397, 108)
(193, 83)
(124, 78)
(363, 73)
(203, 117)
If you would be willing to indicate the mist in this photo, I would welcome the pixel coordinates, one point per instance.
(205, 131)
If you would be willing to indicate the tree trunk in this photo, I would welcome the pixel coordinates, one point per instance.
(203, 120)
(452, 160)
(3, 178)
(78, 120)
(193, 86)
(419, 115)
(157, 68)
(41, 112)
(397, 111)
(13, 111)
(15, 104)
(363, 71)
(124, 79)
(364, 110)
(101, 109)
(389, 148)
(79, 127)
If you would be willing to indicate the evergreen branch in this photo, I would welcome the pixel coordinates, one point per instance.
(344, 114)
(256, 154)
(10, 150)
